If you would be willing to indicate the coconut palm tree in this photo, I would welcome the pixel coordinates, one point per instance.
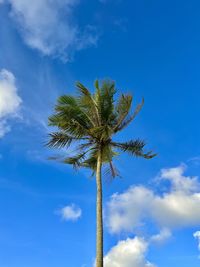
(91, 120)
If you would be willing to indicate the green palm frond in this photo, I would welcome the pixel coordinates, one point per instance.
(86, 100)
(126, 119)
(122, 109)
(110, 171)
(135, 147)
(76, 161)
(73, 113)
(67, 100)
(73, 104)
(64, 122)
(104, 98)
(91, 160)
(83, 146)
(60, 139)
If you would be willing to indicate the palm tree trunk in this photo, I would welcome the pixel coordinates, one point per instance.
(99, 217)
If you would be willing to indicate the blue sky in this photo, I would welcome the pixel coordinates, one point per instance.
(151, 49)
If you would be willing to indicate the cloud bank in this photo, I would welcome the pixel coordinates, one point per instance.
(9, 100)
(178, 207)
(50, 26)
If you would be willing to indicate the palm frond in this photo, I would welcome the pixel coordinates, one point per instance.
(87, 101)
(67, 100)
(127, 119)
(83, 146)
(90, 163)
(135, 147)
(104, 98)
(73, 113)
(76, 161)
(72, 107)
(110, 171)
(122, 109)
(68, 124)
(59, 140)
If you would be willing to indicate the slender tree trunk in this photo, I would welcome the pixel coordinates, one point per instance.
(99, 217)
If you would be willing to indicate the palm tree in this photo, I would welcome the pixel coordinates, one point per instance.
(92, 120)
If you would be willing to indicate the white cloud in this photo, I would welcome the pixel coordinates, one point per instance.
(128, 253)
(179, 182)
(197, 236)
(9, 100)
(50, 27)
(161, 237)
(178, 207)
(126, 210)
(70, 213)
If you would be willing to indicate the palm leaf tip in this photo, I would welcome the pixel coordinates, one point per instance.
(96, 84)
(59, 140)
(123, 111)
(136, 148)
(83, 89)
(149, 155)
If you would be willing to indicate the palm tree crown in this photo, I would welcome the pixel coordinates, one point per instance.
(91, 121)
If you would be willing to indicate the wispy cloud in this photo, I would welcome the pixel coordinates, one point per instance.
(195, 160)
(9, 100)
(70, 213)
(51, 27)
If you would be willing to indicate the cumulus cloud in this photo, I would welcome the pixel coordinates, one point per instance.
(178, 181)
(197, 236)
(128, 253)
(9, 100)
(50, 27)
(70, 213)
(178, 207)
(125, 211)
